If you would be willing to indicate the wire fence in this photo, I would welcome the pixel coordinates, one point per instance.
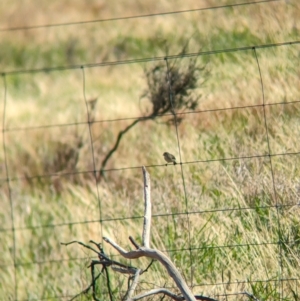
(21, 259)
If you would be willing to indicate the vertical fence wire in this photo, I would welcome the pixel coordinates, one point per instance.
(90, 123)
(8, 185)
(173, 111)
(272, 175)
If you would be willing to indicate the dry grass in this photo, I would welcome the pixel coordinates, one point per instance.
(234, 224)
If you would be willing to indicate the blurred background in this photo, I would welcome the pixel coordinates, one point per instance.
(75, 75)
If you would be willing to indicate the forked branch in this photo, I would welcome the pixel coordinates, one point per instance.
(145, 251)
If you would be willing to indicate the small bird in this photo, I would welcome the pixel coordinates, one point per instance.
(169, 158)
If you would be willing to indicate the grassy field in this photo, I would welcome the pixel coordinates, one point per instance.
(228, 216)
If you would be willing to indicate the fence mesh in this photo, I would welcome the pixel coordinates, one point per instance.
(227, 213)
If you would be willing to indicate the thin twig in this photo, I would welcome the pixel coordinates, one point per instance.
(134, 242)
(85, 291)
(251, 296)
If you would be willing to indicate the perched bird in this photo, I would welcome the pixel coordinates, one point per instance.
(169, 158)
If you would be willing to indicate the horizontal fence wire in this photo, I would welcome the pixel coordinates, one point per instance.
(65, 174)
(148, 59)
(136, 17)
(38, 127)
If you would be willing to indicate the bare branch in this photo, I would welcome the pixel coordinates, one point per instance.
(134, 242)
(122, 270)
(163, 259)
(115, 147)
(134, 284)
(80, 243)
(155, 292)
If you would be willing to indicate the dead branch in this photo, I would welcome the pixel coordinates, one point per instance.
(156, 292)
(133, 285)
(170, 294)
(145, 251)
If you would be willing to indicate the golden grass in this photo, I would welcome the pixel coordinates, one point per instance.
(231, 231)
